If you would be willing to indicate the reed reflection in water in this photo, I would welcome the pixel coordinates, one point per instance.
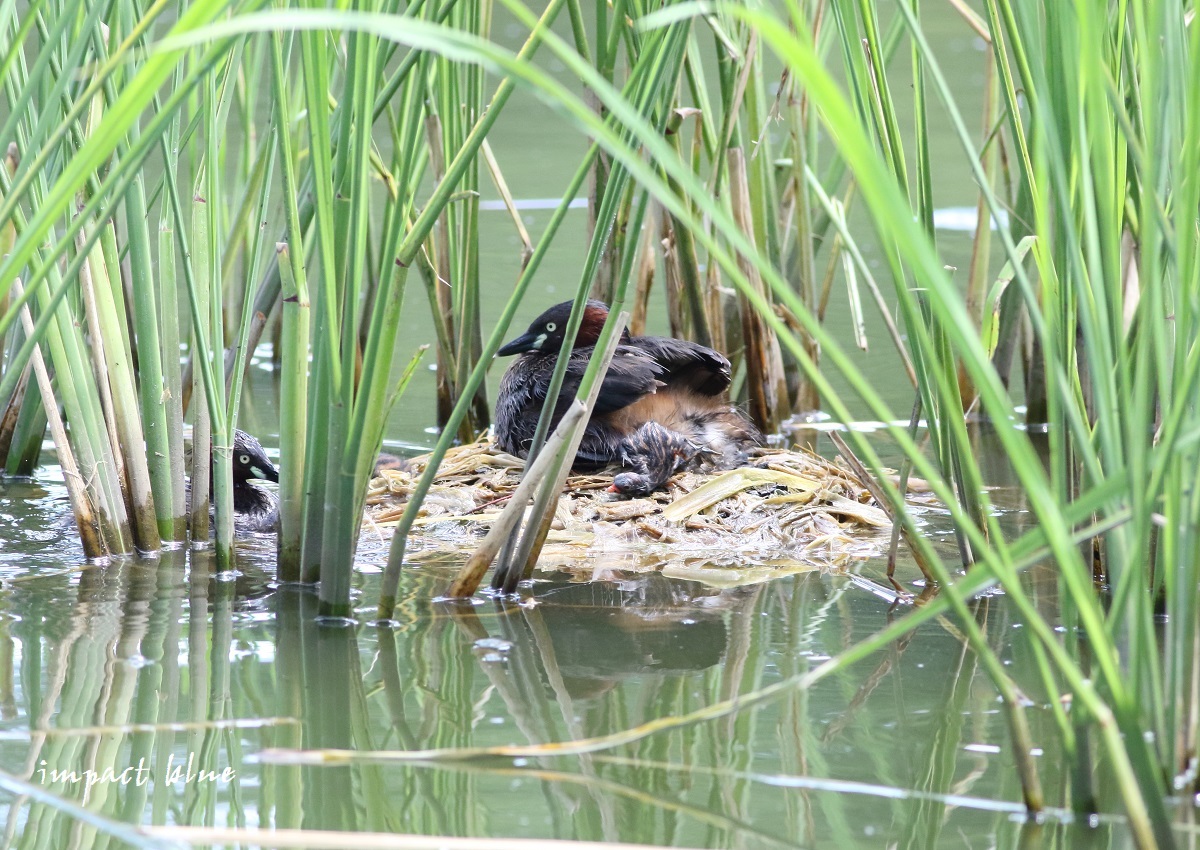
(243, 711)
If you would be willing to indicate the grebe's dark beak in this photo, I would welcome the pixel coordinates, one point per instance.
(269, 473)
(527, 341)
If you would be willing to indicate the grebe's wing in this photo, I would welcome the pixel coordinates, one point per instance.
(631, 375)
(687, 365)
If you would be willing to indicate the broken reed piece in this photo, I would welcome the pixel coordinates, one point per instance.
(545, 505)
(468, 578)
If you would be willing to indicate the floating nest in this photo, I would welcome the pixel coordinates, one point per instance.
(784, 511)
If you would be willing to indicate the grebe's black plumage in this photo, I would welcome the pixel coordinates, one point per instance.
(661, 407)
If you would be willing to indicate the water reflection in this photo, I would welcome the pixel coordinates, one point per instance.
(162, 693)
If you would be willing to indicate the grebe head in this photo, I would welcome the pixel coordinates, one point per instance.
(546, 334)
(250, 461)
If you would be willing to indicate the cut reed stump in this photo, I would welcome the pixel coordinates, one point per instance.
(785, 511)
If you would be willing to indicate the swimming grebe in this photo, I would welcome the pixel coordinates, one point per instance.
(662, 406)
(254, 509)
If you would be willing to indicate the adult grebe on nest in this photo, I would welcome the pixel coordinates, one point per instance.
(662, 406)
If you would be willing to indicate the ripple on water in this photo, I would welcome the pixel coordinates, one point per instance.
(37, 531)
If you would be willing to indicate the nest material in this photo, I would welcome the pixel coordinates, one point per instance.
(783, 512)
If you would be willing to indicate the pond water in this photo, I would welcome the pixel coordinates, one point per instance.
(159, 693)
(185, 686)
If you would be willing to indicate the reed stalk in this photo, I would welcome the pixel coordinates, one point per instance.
(93, 545)
(117, 382)
(157, 333)
(764, 361)
(292, 405)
